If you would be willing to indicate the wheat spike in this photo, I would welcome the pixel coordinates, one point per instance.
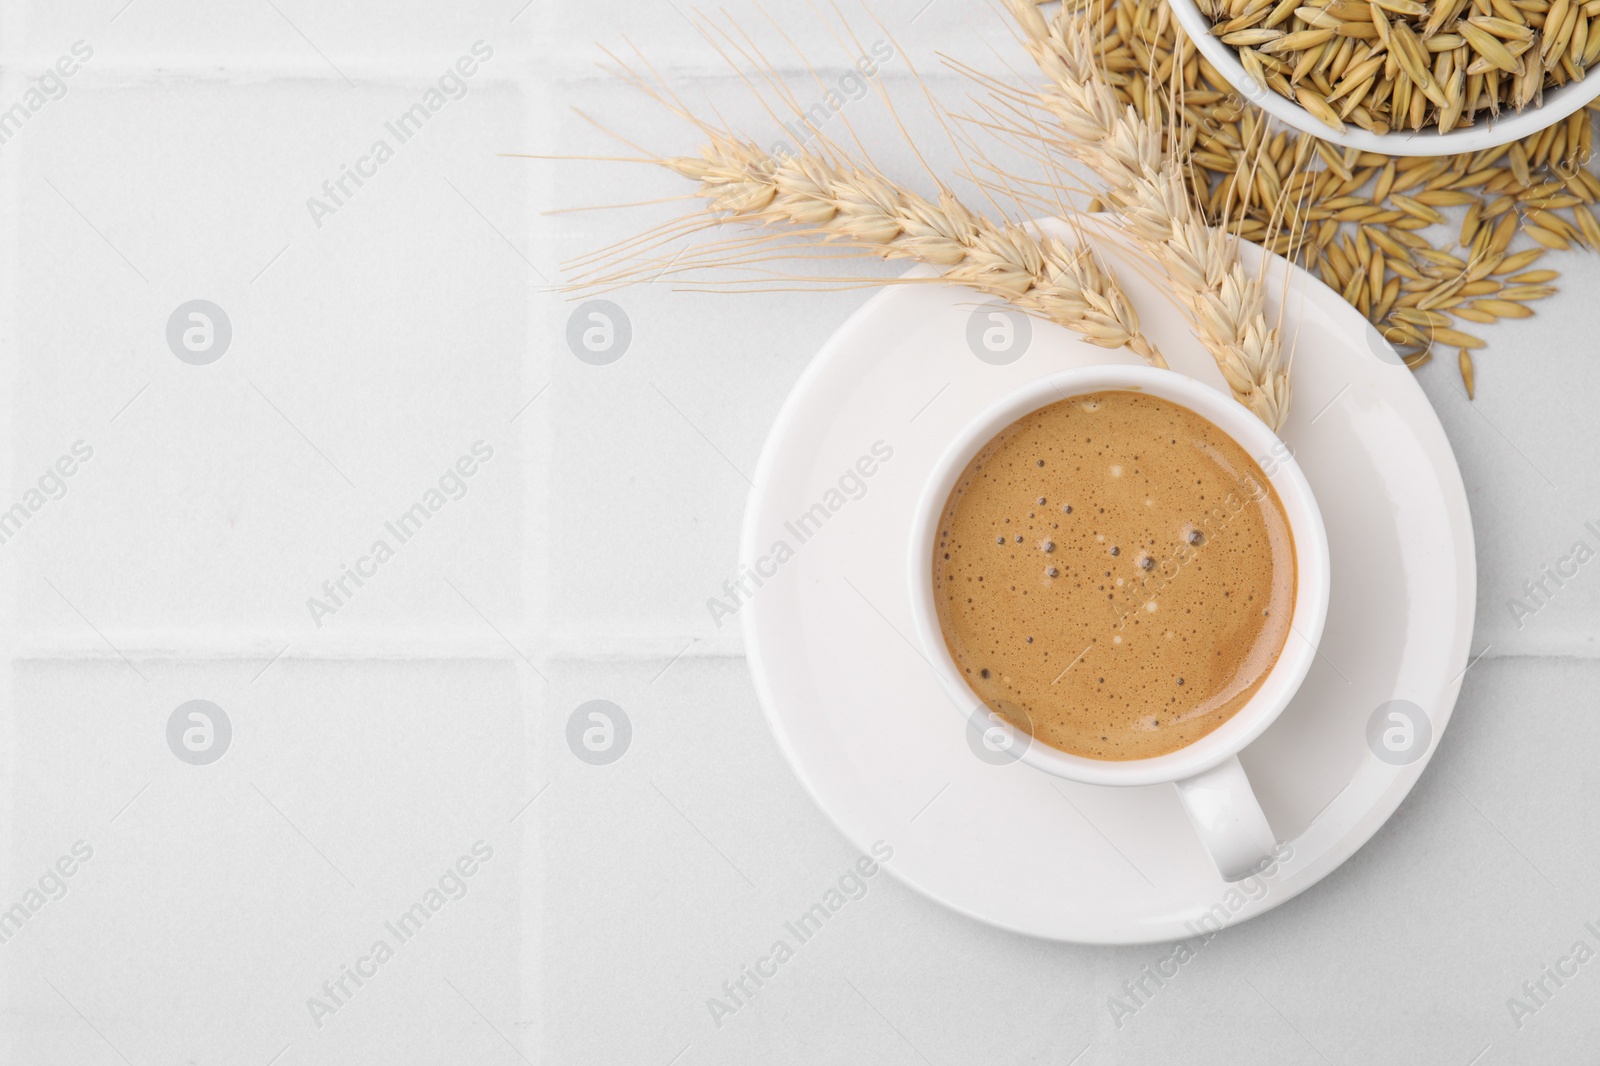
(1147, 190)
(848, 203)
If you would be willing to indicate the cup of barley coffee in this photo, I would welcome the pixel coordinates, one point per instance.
(1120, 575)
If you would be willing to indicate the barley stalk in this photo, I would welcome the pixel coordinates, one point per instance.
(1340, 202)
(1145, 186)
(855, 205)
(1345, 222)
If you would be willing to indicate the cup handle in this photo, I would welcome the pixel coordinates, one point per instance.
(1229, 819)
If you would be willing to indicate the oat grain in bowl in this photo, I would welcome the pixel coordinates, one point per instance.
(1387, 65)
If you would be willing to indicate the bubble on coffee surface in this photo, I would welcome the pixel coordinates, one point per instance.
(1092, 652)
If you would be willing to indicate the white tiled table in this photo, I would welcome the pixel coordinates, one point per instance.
(427, 713)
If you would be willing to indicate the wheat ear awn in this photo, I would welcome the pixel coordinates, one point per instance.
(1145, 187)
(870, 213)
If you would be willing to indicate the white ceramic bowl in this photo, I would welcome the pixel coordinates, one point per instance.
(1485, 133)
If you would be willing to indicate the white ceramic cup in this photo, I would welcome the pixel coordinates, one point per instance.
(1209, 779)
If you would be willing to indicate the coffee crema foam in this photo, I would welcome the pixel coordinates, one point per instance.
(1114, 575)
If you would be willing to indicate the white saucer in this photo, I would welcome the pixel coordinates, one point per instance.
(885, 754)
